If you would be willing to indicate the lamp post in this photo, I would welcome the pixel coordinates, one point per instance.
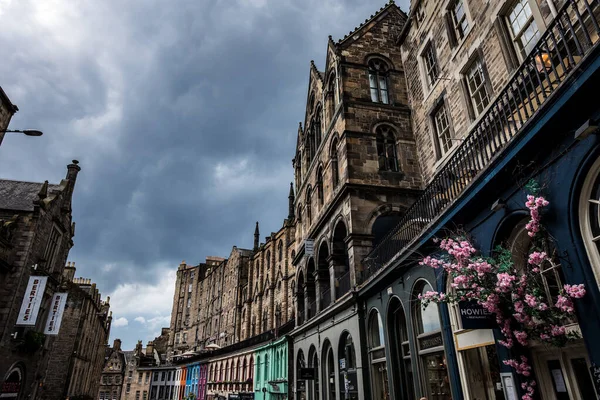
(27, 132)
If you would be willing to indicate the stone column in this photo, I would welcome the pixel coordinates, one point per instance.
(359, 245)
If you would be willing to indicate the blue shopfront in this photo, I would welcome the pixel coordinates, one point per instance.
(415, 351)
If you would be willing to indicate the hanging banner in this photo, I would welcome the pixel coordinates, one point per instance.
(57, 307)
(309, 247)
(32, 301)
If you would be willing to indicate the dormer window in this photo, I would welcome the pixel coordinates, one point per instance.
(378, 81)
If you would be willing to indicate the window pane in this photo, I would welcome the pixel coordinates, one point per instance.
(384, 97)
(477, 88)
(429, 316)
(523, 26)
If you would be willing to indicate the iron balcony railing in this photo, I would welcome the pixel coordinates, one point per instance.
(312, 310)
(343, 285)
(571, 36)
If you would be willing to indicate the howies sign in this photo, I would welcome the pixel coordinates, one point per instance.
(32, 300)
(56, 313)
(474, 316)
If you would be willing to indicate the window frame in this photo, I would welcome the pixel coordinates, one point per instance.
(429, 54)
(381, 78)
(384, 141)
(456, 32)
(53, 246)
(477, 62)
(439, 105)
(536, 17)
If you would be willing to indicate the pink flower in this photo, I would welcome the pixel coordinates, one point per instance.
(543, 307)
(575, 291)
(521, 337)
(519, 306)
(536, 258)
(544, 336)
(530, 300)
(565, 304)
(557, 330)
(505, 282)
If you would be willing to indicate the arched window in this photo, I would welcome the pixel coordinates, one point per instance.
(430, 346)
(382, 226)
(335, 172)
(244, 370)
(320, 194)
(258, 367)
(378, 81)
(227, 375)
(317, 128)
(328, 371)
(268, 261)
(251, 369)
(377, 357)
(347, 364)
(309, 206)
(313, 361)
(400, 350)
(280, 250)
(386, 148)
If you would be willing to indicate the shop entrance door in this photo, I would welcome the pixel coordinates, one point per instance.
(564, 374)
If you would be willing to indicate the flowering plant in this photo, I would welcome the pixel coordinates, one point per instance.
(525, 308)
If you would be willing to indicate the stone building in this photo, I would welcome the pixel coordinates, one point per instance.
(500, 98)
(76, 358)
(36, 235)
(113, 373)
(223, 301)
(356, 172)
(138, 371)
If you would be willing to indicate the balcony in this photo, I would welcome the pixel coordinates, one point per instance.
(325, 299)
(568, 39)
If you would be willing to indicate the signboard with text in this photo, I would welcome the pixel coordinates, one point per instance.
(57, 307)
(475, 316)
(309, 247)
(32, 301)
(306, 373)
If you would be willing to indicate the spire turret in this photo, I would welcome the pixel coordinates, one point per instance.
(291, 198)
(256, 237)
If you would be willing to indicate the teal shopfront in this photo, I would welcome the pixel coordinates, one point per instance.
(271, 371)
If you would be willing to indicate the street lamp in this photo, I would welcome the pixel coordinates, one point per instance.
(27, 132)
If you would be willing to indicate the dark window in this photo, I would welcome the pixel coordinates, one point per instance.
(320, 194)
(459, 19)
(378, 81)
(335, 176)
(317, 128)
(430, 63)
(309, 205)
(386, 148)
(52, 247)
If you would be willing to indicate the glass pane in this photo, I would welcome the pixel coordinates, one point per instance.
(384, 97)
(382, 83)
(436, 377)
(374, 96)
(429, 317)
(582, 376)
(558, 380)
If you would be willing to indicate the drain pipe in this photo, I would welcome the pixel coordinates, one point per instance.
(552, 7)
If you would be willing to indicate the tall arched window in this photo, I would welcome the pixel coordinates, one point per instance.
(320, 194)
(244, 370)
(400, 350)
(332, 94)
(309, 206)
(589, 217)
(268, 262)
(300, 363)
(347, 363)
(378, 81)
(280, 250)
(317, 128)
(377, 357)
(313, 362)
(430, 346)
(335, 172)
(328, 372)
(386, 148)
(258, 367)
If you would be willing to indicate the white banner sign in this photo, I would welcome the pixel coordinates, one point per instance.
(309, 247)
(32, 300)
(56, 313)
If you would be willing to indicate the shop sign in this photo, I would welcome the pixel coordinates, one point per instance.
(59, 300)
(246, 396)
(595, 371)
(11, 387)
(475, 316)
(32, 301)
(306, 373)
(342, 363)
(430, 342)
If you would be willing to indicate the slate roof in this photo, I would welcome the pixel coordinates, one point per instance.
(19, 196)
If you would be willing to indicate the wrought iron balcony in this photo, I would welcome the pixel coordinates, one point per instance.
(568, 39)
(325, 299)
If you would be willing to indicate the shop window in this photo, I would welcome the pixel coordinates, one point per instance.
(347, 364)
(328, 371)
(430, 345)
(400, 347)
(377, 357)
(301, 363)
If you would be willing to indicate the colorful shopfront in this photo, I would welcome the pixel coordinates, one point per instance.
(271, 370)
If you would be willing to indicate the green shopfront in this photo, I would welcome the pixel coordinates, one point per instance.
(271, 371)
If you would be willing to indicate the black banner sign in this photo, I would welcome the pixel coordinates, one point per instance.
(475, 316)
(430, 342)
(306, 373)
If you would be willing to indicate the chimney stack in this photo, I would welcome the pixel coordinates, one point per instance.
(150, 349)
(117, 345)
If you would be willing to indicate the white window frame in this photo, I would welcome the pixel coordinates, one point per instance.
(535, 17)
(584, 219)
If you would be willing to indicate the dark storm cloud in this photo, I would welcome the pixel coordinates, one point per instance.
(183, 116)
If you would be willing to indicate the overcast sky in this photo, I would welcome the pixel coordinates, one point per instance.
(183, 115)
